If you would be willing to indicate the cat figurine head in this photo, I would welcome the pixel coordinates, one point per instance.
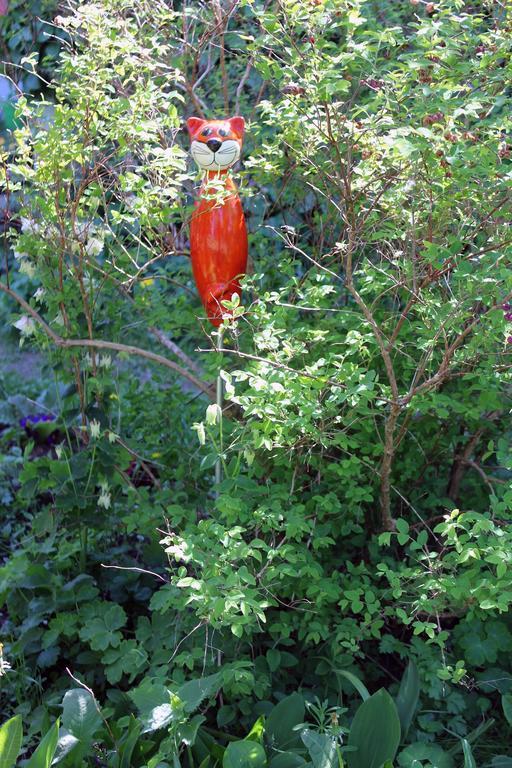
(216, 144)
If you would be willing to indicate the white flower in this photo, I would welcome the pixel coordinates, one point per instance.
(26, 325)
(94, 428)
(112, 437)
(38, 295)
(105, 499)
(201, 434)
(213, 414)
(27, 268)
(105, 361)
(20, 255)
(29, 225)
(94, 246)
(4, 665)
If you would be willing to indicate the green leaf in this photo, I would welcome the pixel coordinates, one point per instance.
(153, 702)
(288, 760)
(356, 682)
(506, 703)
(469, 760)
(158, 717)
(282, 720)
(193, 693)
(80, 715)
(225, 715)
(257, 731)
(67, 742)
(273, 659)
(375, 732)
(128, 745)
(420, 752)
(187, 732)
(321, 748)
(11, 735)
(244, 754)
(407, 697)
(44, 754)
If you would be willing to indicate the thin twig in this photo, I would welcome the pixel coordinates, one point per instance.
(275, 364)
(139, 570)
(102, 344)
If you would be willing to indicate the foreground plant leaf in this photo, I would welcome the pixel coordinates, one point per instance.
(321, 748)
(244, 754)
(375, 732)
(284, 717)
(44, 754)
(11, 735)
(80, 715)
(408, 695)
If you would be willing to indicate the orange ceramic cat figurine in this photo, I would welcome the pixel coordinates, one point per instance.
(218, 235)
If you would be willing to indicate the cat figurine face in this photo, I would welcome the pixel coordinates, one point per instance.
(216, 144)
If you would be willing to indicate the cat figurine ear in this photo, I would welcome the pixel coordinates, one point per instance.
(194, 125)
(237, 125)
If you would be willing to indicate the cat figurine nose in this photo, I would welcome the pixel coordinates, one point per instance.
(213, 144)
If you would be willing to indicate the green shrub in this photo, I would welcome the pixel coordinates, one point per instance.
(362, 519)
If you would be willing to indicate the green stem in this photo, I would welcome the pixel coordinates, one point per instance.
(84, 535)
(218, 463)
(91, 467)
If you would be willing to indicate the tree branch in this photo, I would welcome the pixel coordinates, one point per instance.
(129, 349)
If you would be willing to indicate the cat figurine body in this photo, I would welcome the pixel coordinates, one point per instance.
(218, 235)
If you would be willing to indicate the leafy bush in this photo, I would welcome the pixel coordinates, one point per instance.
(280, 740)
(362, 519)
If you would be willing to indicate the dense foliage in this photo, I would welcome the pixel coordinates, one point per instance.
(361, 531)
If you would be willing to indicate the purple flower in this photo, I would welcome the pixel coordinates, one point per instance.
(506, 307)
(508, 316)
(35, 418)
(509, 339)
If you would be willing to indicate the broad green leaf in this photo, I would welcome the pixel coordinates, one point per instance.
(408, 695)
(356, 682)
(225, 715)
(187, 732)
(273, 659)
(44, 754)
(153, 702)
(469, 760)
(244, 754)
(321, 748)
(193, 693)
(421, 751)
(11, 735)
(279, 732)
(158, 717)
(375, 732)
(66, 743)
(287, 760)
(127, 747)
(257, 731)
(80, 715)
(506, 703)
